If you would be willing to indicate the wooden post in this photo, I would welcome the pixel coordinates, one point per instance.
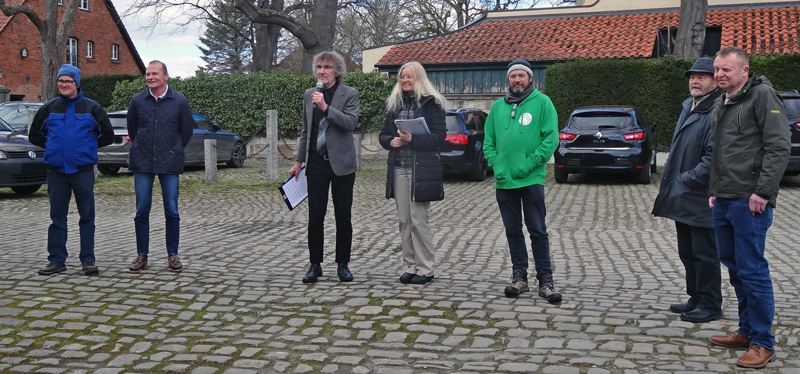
(211, 160)
(272, 146)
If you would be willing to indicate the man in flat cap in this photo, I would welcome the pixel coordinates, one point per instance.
(683, 195)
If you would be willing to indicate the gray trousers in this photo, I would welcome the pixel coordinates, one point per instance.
(419, 254)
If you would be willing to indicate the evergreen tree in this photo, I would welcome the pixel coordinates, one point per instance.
(227, 41)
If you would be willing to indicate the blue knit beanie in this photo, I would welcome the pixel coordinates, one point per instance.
(72, 72)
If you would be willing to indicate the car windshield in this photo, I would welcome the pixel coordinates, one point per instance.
(792, 107)
(452, 122)
(601, 120)
(15, 115)
(4, 126)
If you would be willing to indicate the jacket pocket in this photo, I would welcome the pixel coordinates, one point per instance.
(512, 165)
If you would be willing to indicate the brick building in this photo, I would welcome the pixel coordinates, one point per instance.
(98, 44)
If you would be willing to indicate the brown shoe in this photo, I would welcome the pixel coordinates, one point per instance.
(139, 263)
(731, 340)
(174, 263)
(756, 357)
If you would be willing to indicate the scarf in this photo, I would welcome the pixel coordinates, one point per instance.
(516, 98)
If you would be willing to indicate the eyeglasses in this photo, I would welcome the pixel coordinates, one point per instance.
(65, 82)
(326, 67)
(514, 110)
(402, 77)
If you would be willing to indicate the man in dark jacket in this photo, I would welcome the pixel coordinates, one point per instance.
(70, 128)
(160, 125)
(683, 193)
(751, 150)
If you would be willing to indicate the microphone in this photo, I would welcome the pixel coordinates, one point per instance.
(319, 89)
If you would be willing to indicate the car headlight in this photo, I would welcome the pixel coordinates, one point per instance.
(3, 155)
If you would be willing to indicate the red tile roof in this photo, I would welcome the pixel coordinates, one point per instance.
(4, 19)
(758, 31)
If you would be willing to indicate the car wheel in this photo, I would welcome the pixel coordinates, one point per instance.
(561, 175)
(237, 156)
(654, 166)
(480, 170)
(26, 190)
(108, 170)
(643, 176)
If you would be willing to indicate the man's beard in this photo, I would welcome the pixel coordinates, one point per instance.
(518, 90)
(697, 92)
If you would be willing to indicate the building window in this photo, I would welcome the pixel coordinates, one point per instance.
(72, 52)
(89, 49)
(84, 5)
(60, 2)
(115, 52)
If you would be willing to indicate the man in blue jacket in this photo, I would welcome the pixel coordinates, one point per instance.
(160, 125)
(70, 128)
(683, 195)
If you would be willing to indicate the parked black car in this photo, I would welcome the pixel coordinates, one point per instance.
(18, 114)
(462, 150)
(230, 147)
(606, 139)
(21, 163)
(791, 103)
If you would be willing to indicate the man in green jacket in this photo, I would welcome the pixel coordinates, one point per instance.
(751, 149)
(521, 136)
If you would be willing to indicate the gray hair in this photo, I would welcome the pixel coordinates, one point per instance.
(163, 65)
(338, 63)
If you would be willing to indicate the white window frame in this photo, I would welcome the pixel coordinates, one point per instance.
(84, 5)
(90, 49)
(61, 2)
(72, 52)
(115, 52)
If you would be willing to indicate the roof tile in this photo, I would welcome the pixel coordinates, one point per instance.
(759, 31)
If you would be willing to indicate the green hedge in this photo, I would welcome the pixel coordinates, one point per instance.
(100, 88)
(656, 86)
(239, 102)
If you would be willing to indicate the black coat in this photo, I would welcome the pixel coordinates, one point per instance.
(683, 195)
(426, 173)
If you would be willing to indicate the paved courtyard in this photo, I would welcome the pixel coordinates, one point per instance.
(239, 306)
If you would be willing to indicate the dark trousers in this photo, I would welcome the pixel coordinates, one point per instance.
(320, 177)
(60, 188)
(697, 248)
(527, 202)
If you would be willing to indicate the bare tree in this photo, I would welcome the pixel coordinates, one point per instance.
(691, 28)
(53, 37)
(315, 36)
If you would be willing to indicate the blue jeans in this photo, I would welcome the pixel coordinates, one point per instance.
(741, 238)
(513, 204)
(60, 188)
(143, 184)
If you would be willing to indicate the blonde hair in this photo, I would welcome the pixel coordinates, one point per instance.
(422, 87)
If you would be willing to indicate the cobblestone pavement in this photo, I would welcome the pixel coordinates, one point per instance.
(239, 306)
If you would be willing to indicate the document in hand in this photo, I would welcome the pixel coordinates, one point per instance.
(416, 126)
(294, 191)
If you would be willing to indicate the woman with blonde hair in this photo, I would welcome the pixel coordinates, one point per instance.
(414, 175)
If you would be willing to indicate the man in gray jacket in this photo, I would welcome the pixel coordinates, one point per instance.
(330, 114)
(683, 193)
(751, 150)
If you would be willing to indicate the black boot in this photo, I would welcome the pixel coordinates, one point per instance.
(344, 273)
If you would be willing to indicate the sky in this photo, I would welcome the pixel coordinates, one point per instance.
(177, 49)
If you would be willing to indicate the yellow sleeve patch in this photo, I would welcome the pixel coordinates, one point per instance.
(775, 111)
